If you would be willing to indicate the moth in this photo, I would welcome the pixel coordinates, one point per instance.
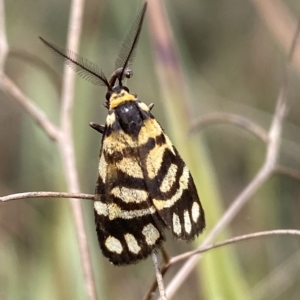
(143, 186)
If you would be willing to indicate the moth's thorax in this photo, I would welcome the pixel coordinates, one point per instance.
(129, 117)
(119, 97)
(125, 112)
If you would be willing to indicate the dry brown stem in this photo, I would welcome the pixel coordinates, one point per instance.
(41, 194)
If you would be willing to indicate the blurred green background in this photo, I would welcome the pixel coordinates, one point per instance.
(231, 62)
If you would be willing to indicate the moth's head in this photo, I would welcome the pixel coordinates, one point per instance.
(118, 95)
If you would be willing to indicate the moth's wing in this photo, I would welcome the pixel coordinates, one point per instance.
(127, 224)
(169, 182)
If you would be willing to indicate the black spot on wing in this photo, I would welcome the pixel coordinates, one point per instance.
(160, 139)
(117, 156)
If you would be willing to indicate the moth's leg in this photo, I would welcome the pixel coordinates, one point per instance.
(97, 127)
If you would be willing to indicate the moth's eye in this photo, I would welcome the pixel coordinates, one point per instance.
(107, 96)
(125, 88)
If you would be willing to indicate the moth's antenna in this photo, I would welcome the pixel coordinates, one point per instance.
(128, 48)
(82, 66)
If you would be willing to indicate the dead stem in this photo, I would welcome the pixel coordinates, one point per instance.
(41, 194)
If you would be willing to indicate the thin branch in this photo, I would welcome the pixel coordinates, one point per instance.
(66, 146)
(250, 236)
(159, 277)
(28, 105)
(21, 196)
(66, 141)
(200, 250)
(203, 249)
(265, 172)
(221, 117)
(288, 172)
(163, 270)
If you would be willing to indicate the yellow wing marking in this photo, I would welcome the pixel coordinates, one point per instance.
(169, 179)
(131, 167)
(113, 211)
(129, 195)
(183, 185)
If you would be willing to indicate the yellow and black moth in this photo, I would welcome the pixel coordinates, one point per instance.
(143, 184)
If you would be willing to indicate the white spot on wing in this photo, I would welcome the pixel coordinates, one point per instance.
(195, 211)
(132, 243)
(101, 208)
(176, 224)
(113, 245)
(187, 222)
(151, 234)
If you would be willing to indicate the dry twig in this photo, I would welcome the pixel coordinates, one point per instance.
(203, 249)
(159, 277)
(241, 238)
(41, 194)
(66, 147)
(288, 172)
(221, 117)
